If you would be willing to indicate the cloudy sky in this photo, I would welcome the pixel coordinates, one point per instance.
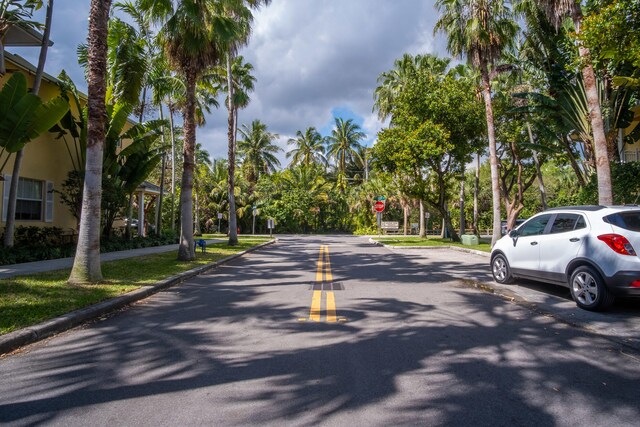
(313, 60)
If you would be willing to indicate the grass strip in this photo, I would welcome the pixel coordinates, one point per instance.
(28, 300)
(431, 241)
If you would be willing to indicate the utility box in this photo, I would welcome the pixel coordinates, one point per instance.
(470, 239)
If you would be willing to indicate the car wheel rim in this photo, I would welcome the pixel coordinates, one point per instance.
(585, 288)
(499, 269)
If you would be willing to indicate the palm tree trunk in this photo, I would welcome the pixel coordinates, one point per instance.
(476, 193)
(463, 223)
(233, 224)
(196, 229)
(162, 172)
(493, 156)
(405, 211)
(127, 229)
(422, 229)
(3, 69)
(86, 264)
(173, 170)
(186, 251)
(10, 226)
(17, 164)
(603, 168)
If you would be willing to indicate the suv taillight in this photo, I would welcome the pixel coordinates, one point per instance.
(618, 243)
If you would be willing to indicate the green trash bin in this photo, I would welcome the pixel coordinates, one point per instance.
(470, 239)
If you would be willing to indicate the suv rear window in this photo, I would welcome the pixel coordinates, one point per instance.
(627, 220)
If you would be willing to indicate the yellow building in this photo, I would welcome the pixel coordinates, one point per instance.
(46, 161)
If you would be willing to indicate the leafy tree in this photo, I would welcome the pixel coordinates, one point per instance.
(296, 198)
(481, 30)
(434, 128)
(391, 83)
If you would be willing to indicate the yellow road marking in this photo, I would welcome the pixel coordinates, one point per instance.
(320, 268)
(323, 275)
(327, 270)
(331, 307)
(316, 301)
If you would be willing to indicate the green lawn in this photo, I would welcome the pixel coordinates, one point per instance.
(25, 301)
(431, 241)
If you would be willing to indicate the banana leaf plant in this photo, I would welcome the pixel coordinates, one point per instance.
(24, 116)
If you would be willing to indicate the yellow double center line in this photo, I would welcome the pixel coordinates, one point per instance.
(323, 276)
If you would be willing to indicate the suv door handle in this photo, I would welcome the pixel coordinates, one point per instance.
(534, 243)
(574, 239)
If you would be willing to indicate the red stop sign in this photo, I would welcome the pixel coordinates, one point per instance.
(378, 206)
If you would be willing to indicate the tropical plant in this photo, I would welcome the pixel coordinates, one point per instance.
(344, 142)
(23, 117)
(195, 35)
(13, 189)
(257, 151)
(558, 11)
(481, 30)
(309, 148)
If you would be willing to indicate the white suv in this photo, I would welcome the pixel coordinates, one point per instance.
(589, 249)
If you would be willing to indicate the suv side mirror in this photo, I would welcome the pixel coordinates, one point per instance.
(513, 234)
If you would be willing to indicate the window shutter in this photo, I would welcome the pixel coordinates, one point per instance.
(48, 212)
(5, 198)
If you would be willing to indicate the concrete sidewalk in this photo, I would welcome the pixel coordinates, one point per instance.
(27, 268)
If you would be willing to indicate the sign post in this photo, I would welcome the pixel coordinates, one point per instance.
(379, 206)
(219, 218)
(270, 226)
(253, 227)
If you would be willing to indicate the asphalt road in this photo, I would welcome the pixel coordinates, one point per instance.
(402, 339)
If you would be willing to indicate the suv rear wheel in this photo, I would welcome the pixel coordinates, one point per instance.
(500, 269)
(588, 289)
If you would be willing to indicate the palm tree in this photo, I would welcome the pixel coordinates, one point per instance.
(86, 264)
(309, 148)
(244, 19)
(481, 30)
(558, 11)
(344, 143)
(194, 37)
(257, 151)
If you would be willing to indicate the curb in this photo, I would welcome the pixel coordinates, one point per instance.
(455, 248)
(32, 334)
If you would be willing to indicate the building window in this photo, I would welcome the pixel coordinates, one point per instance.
(29, 200)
